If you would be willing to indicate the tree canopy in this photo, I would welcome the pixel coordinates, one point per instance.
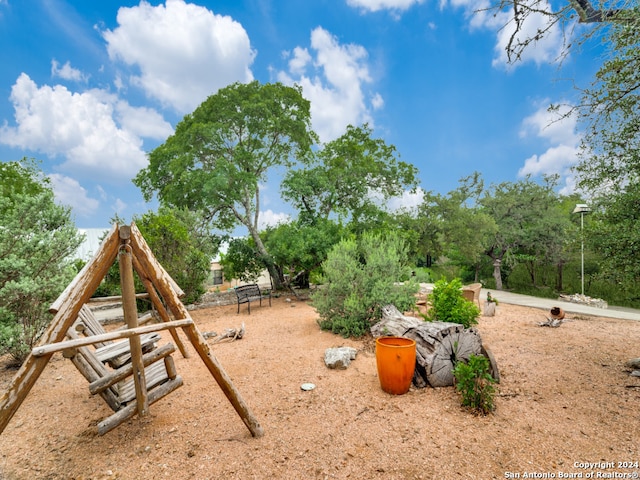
(220, 154)
(182, 245)
(350, 176)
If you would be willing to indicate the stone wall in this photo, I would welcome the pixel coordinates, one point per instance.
(215, 299)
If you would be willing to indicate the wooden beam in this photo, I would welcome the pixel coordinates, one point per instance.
(143, 253)
(130, 310)
(115, 335)
(114, 298)
(157, 303)
(66, 309)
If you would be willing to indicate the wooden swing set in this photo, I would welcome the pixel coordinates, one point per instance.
(123, 366)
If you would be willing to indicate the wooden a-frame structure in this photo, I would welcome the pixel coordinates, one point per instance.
(126, 244)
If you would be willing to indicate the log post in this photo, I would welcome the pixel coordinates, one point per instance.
(165, 287)
(131, 318)
(66, 309)
(157, 303)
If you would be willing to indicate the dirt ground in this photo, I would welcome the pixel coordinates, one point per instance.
(566, 405)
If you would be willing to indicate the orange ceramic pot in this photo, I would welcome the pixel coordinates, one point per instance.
(396, 362)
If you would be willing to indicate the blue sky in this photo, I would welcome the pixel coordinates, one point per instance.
(89, 87)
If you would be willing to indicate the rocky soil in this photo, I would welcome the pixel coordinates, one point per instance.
(565, 405)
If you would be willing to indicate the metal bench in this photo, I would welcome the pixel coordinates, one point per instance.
(248, 293)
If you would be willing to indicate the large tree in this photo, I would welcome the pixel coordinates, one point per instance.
(299, 248)
(221, 153)
(610, 163)
(460, 213)
(350, 178)
(522, 212)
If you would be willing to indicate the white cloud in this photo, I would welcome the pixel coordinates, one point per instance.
(557, 159)
(408, 201)
(142, 121)
(67, 72)
(119, 207)
(69, 192)
(557, 130)
(333, 81)
(183, 52)
(269, 218)
(545, 50)
(377, 102)
(80, 127)
(376, 5)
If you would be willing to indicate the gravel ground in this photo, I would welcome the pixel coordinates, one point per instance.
(565, 405)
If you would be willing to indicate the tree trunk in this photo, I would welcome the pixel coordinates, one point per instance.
(559, 279)
(497, 275)
(439, 345)
(276, 278)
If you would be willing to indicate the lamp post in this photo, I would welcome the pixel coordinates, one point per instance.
(582, 208)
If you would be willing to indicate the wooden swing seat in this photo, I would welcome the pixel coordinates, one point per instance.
(106, 366)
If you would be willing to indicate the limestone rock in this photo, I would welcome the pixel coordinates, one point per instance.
(340, 357)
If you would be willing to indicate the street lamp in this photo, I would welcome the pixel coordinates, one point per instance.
(582, 208)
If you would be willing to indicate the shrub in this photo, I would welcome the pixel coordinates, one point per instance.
(180, 241)
(475, 383)
(37, 240)
(359, 279)
(447, 304)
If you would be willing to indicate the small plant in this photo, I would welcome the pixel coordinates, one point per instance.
(475, 383)
(449, 305)
(490, 299)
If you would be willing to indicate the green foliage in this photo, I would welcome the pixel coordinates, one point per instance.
(183, 246)
(611, 110)
(242, 261)
(299, 248)
(345, 173)
(491, 299)
(359, 279)
(23, 177)
(221, 153)
(475, 383)
(449, 305)
(423, 275)
(37, 242)
(529, 222)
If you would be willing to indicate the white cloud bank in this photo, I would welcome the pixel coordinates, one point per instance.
(557, 131)
(334, 80)
(81, 128)
(183, 52)
(376, 5)
(180, 53)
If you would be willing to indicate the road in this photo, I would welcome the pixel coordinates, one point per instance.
(568, 307)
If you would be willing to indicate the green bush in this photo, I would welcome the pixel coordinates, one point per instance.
(180, 241)
(449, 305)
(359, 279)
(423, 275)
(37, 241)
(475, 383)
